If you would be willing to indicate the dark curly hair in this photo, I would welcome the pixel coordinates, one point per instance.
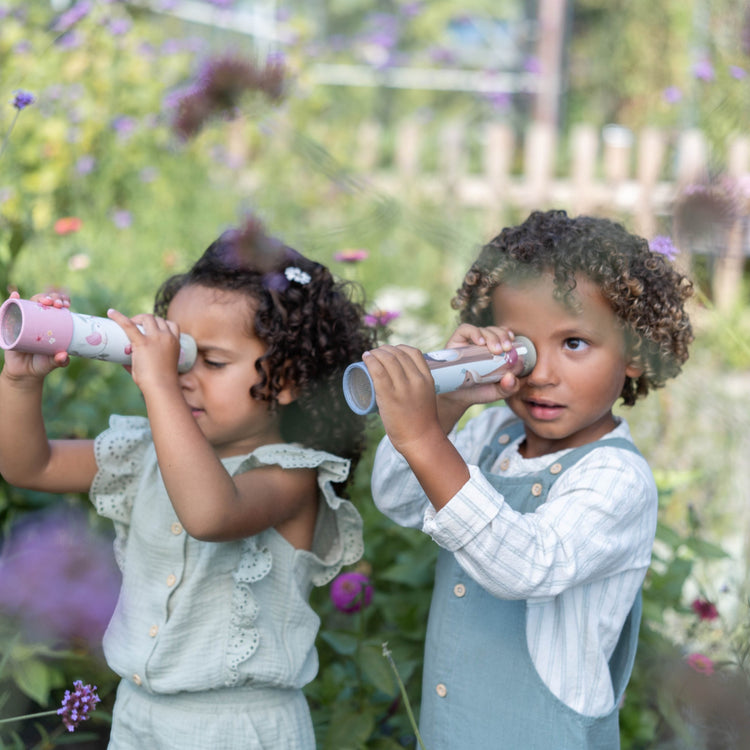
(312, 325)
(645, 291)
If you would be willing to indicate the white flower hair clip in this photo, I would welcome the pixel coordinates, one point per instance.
(297, 274)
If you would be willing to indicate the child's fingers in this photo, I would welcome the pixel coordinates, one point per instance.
(48, 299)
(127, 325)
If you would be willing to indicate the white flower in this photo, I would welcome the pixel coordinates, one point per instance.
(297, 274)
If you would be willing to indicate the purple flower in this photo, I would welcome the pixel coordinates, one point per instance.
(85, 164)
(123, 126)
(671, 95)
(122, 219)
(58, 579)
(663, 245)
(737, 72)
(350, 592)
(532, 64)
(703, 70)
(119, 26)
(499, 100)
(72, 16)
(23, 99)
(77, 705)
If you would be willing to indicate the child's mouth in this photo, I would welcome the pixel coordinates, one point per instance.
(543, 409)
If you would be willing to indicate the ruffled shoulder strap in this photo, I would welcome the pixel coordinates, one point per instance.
(120, 453)
(338, 538)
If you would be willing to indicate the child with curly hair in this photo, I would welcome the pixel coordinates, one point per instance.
(543, 509)
(226, 499)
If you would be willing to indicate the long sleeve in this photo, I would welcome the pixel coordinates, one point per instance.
(598, 520)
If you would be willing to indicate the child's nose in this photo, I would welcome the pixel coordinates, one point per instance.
(187, 379)
(544, 371)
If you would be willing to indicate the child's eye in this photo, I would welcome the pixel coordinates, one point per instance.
(212, 363)
(575, 344)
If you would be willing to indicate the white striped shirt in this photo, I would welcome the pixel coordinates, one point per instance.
(579, 560)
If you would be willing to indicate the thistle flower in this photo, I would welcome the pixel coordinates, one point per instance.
(77, 705)
(219, 88)
(351, 592)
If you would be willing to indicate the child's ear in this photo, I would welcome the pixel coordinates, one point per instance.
(287, 395)
(634, 369)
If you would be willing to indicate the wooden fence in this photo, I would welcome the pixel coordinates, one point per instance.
(637, 178)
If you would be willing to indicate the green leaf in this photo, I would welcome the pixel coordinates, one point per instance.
(342, 643)
(668, 535)
(377, 670)
(349, 728)
(705, 549)
(32, 678)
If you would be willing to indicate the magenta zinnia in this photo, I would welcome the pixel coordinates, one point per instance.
(350, 592)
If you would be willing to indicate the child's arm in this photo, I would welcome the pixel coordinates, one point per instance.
(417, 422)
(27, 457)
(211, 504)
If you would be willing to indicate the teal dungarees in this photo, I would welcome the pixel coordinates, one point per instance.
(477, 643)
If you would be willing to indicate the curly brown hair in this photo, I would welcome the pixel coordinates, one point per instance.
(645, 291)
(311, 323)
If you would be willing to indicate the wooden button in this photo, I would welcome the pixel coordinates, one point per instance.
(441, 690)
(504, 439)
(504, 464)
(459, 590)
(536, 489)
(555, 468)
(171, 580)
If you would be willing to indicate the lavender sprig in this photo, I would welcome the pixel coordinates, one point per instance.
(75, 708)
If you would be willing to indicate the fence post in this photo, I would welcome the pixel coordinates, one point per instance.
(727, 277)
(584, 146)
(539, 163)
(651, 150)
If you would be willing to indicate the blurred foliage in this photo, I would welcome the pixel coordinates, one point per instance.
(97, 145)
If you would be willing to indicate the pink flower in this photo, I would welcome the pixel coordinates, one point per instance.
(700, 663)
(704, 609)
(351, 255)
(380, 318)
(350, 592)
(68, 225)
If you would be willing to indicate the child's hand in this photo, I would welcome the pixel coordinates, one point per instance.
(405, 393)
(497, 340)
(155, 348)
(24, 365)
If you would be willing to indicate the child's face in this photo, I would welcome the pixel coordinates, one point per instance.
(217, 388)
(566, 401)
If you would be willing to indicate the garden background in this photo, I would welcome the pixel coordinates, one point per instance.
(156, 124)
